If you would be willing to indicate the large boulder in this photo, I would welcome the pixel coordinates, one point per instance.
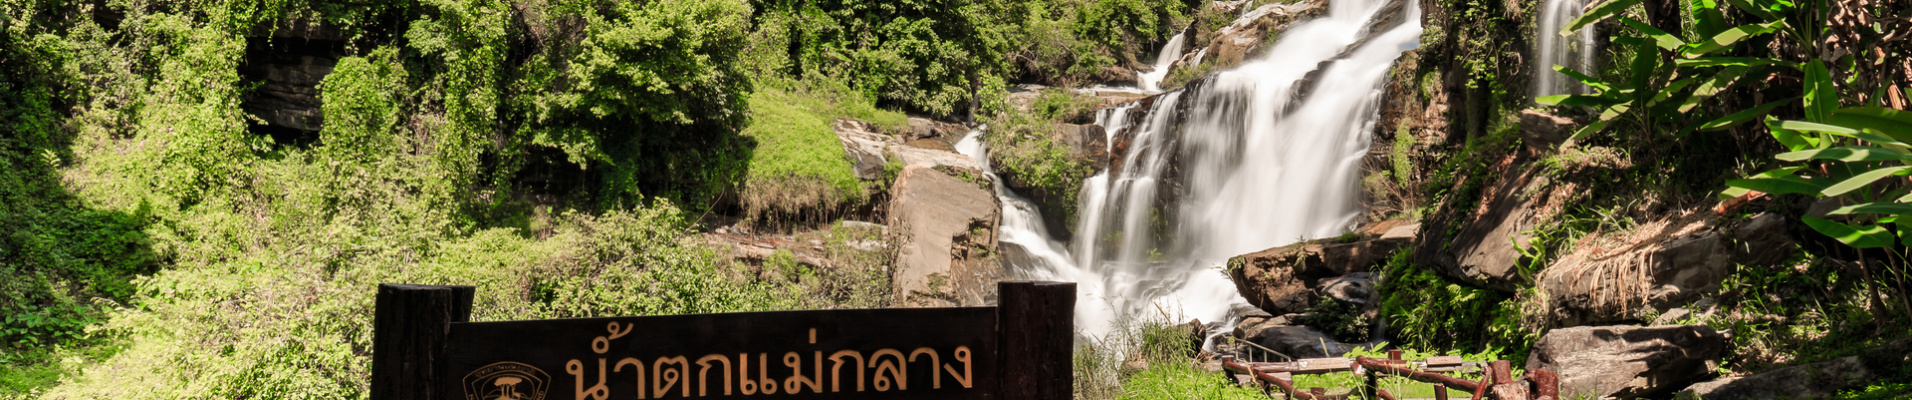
(1658, 265)
(1627, 361)
(1288, 279)
(1484, 249)
(945, 232)
(1811, 381)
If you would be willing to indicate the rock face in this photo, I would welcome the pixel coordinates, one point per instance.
(945, 232)
(1086, 145)
(1659, 265)
(1811, 381)
(287, 67)
(1226, 47)
(1483, 252)
(1288, 279)
(868, 150)
(1627, 361)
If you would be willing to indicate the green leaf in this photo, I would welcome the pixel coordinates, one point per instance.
(1845, 153)
(1592, 128)
(1762, 13)
(1599, 12)
(1672, 89)
(1718, 83)
(1838, 130)
(1821, 97)
(1894, 123)
(1861, 180)
(1727, 62)
(1593, 82)
(1791, 138)
(1709, 20)
(1874, 208)
(1777, 181)
(1866, 237)
(1729, 38)
(1743, 115)
(1576, 100)
(1664, 40)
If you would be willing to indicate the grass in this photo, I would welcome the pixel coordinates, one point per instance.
(799, 172)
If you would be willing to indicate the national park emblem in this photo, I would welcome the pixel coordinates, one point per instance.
(506, 381)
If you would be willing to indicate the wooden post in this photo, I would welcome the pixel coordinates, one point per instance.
(1440, 391)
(1546, 384)
(408, 338)
(1502, 371)
(1036, 322)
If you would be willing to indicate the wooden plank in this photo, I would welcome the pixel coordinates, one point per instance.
(1444, 361)
(1038, 337)
(927, 353)
(409, 325)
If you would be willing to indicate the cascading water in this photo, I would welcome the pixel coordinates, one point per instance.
(1151, 81)
(1553, 49)
(1260, 156)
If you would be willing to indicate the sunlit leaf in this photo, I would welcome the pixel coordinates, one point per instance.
(1845, 153)
(1593, 82)
(1821, 98)
(1862, 179)
(1599, 12)
(1864, 237)
(1661, 38)
(1874, 208)
(1894, 123)
(1736, 191)
(1713, 85)
(1576, 100)
(1729, 38)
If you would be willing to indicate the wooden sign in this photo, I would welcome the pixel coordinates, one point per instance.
(425, 348)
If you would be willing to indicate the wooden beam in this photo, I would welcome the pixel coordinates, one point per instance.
(1036, 325)
(408, 338)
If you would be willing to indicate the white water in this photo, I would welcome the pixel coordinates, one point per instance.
(1151, 81)
(1219, 169)
(1573, 52)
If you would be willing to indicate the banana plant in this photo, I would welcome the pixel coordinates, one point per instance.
(1666, 88)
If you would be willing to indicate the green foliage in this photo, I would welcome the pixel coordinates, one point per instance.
(1182, 380)
(1026, 152)
(1425, 310)
(798, 171)
(1345, 321)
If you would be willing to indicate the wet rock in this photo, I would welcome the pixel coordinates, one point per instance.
(945, 231)
(1300, 342)
(1285, 279)
(1085, 142)
(1627, 361)
(1658, 265)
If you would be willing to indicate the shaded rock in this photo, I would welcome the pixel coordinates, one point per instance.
(945, 231)
(286, 69)
(1300, 342)
(1811, 381)
(1284, 279)
(1542, 131)
(1085, 142)
(1483, 250)
(1658, 265)
(1627, 361)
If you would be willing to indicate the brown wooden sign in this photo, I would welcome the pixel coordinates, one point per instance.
(424, 348)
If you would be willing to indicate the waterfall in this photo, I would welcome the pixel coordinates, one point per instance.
(1150, 81)
(1553, 49)
(1260, 156)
